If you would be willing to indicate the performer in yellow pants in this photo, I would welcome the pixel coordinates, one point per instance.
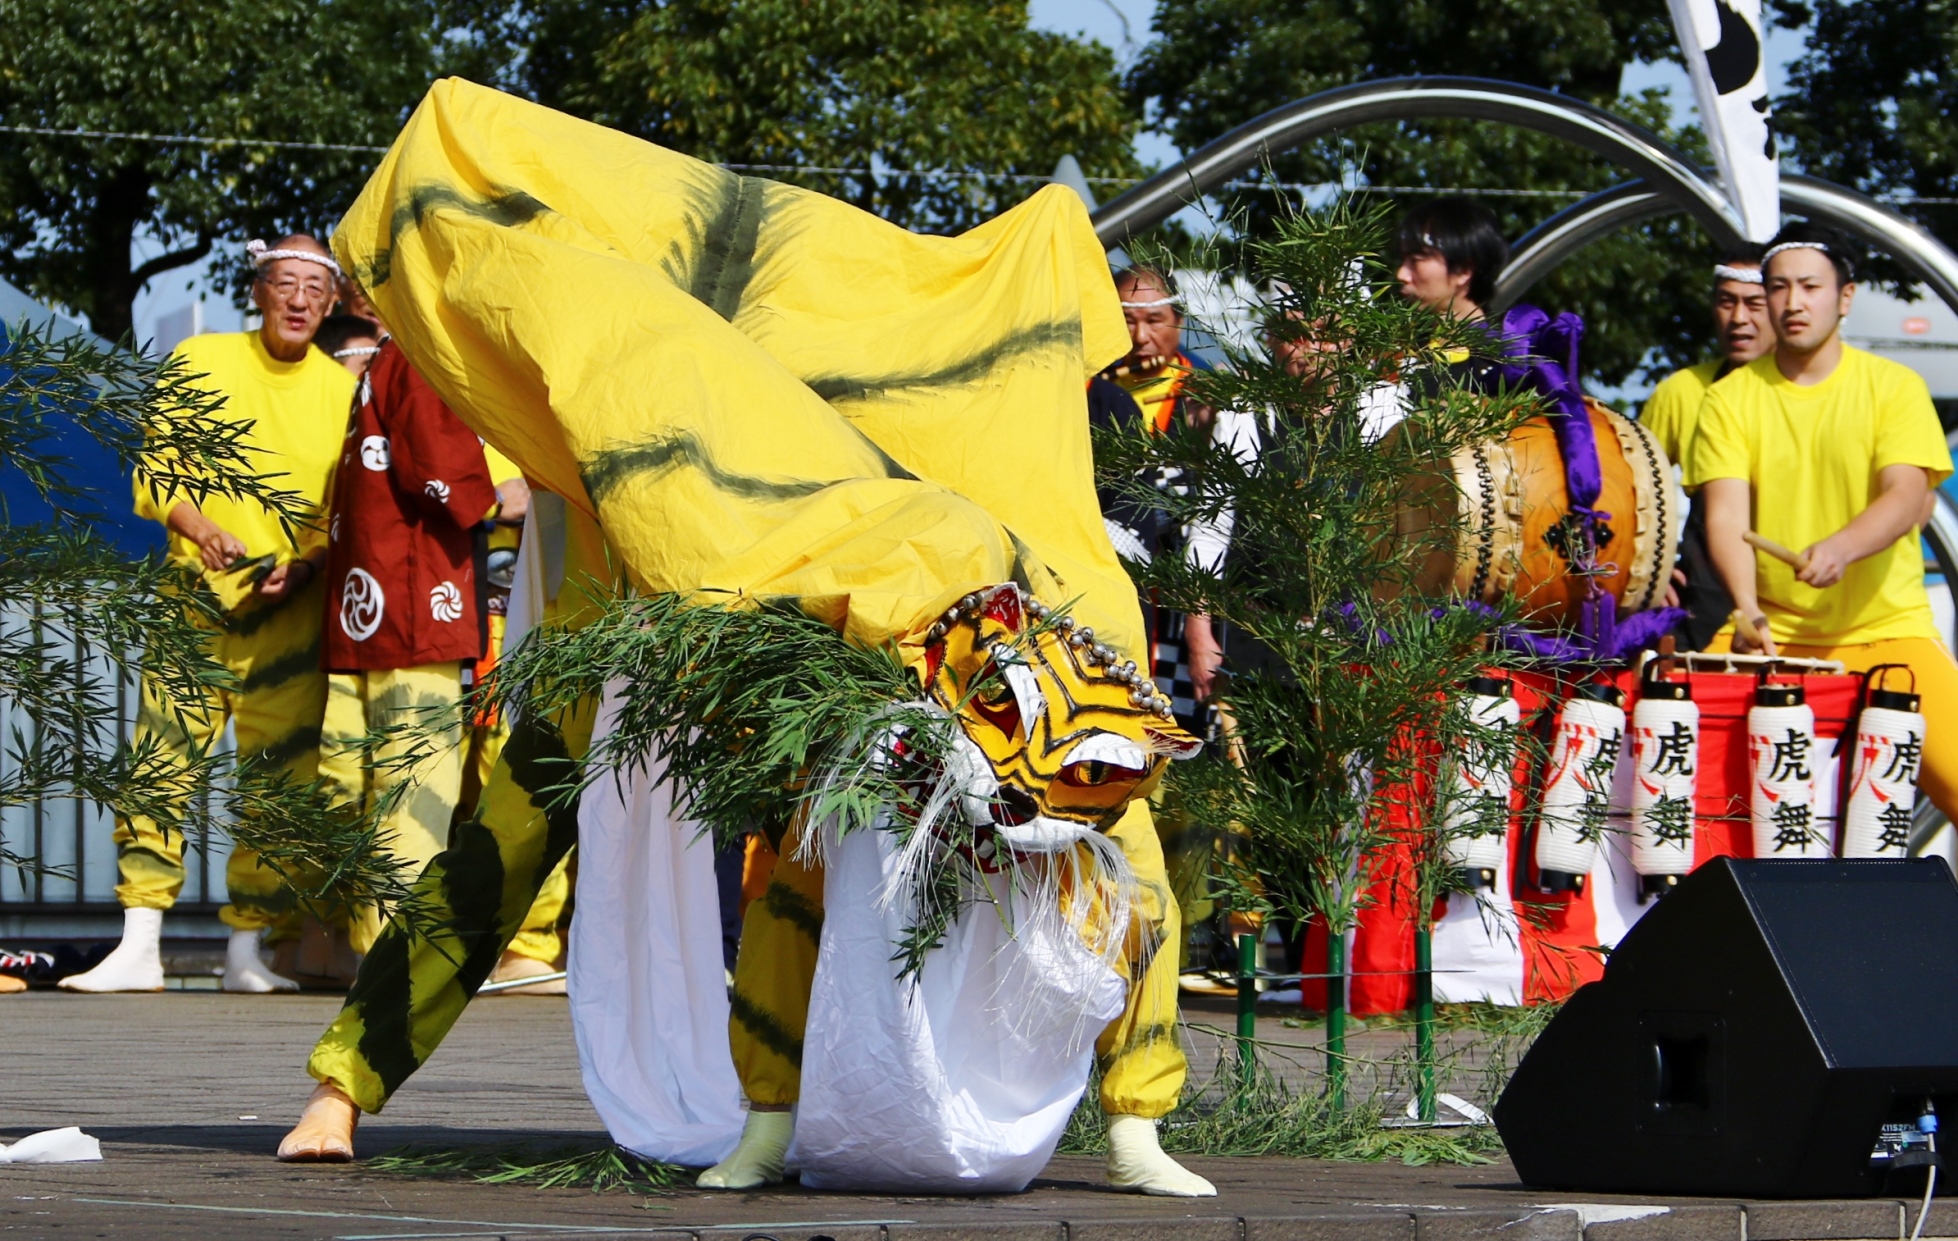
(1832, 452)
(288, 403)
(274, 712)
(425, 761)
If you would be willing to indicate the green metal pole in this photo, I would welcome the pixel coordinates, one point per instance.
(1424, 1017)
(1247, 1007)
(1336, 1019)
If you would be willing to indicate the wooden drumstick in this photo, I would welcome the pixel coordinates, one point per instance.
(1772, 548)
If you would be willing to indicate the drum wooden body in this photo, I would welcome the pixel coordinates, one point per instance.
(1515, 521)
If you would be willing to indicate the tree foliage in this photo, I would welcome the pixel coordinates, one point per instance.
(960, 86)
(333, 71)
(1872, 101)
(1215, 64)
(955, 85)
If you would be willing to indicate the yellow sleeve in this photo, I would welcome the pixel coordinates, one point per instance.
(1664, 413)
(501, 468)
(154, 502)
(1907, 429)
(1720, 448)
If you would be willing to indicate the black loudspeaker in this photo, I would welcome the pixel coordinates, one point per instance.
(1769, 1029)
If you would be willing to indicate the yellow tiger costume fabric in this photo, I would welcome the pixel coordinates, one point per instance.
(757, 392)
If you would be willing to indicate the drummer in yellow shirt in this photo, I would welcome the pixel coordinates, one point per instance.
(1672, 414)
(1830, 450)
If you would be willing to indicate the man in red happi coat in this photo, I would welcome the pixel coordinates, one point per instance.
(405, 612)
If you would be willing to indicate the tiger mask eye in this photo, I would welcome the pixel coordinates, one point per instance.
(1062, 719)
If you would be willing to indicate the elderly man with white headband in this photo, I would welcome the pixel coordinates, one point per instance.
(291, 401)
(1742, 333)
(1830, 452)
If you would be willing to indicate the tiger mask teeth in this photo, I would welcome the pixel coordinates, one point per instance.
(1071, 729)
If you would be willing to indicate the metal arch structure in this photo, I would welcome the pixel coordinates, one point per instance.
(1562, 235)
(1632, 147)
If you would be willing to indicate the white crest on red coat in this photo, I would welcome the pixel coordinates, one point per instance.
(361, 605)
(374, 452)
(437, 488)
(445, 602)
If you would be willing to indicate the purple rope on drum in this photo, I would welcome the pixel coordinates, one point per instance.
(1543, 359)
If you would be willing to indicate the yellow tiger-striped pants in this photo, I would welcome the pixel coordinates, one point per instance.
(1140, 1053)
(274, 710)
(477, 892)
(539, 939)
(416, 773)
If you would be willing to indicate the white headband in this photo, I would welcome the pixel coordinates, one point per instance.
(1744, 275)
(255, 251)
(356, 351)
(1791, 245)
(1161, 301)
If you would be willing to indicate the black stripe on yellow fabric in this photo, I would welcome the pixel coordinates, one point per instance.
(612, 468)
(282, 668)
(724, 235)
(766, 1028)
(384, 997)
(1141, 1038)
(472, 884)
(795, 909)
(245, 624)
(1031, 339)
(1022, 557)
(508, 209)
(292, 746)
(891, 467)
(465, 884)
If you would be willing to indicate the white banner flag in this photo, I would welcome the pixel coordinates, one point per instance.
(1722, 43)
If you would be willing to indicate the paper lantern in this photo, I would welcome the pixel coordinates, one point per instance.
(1889, 752)
(1576, 801)
(1665, 779)
(1475, 818)
(1781, 786)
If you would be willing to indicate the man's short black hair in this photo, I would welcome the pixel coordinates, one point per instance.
(336, 330)
(1465, 234)
(1841, 251)
(1743, 254)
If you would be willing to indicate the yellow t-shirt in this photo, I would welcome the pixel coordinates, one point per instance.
(1672, 412)
(296, 415)
(1812, 455)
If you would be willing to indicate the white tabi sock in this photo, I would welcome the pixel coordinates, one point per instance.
(137, 962)
(245, 971)
(1136, 1162)
(760, 1159)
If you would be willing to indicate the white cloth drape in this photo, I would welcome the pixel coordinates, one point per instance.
(648, 987)
(960, 1082)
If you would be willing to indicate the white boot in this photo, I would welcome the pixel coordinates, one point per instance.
(1136, 1162)
(137, 962)
(245, 971)
(761, 1157)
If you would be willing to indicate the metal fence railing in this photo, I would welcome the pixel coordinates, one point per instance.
(74, 838)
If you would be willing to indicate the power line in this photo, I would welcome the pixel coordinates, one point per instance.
(187, 139)
(924, 174)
